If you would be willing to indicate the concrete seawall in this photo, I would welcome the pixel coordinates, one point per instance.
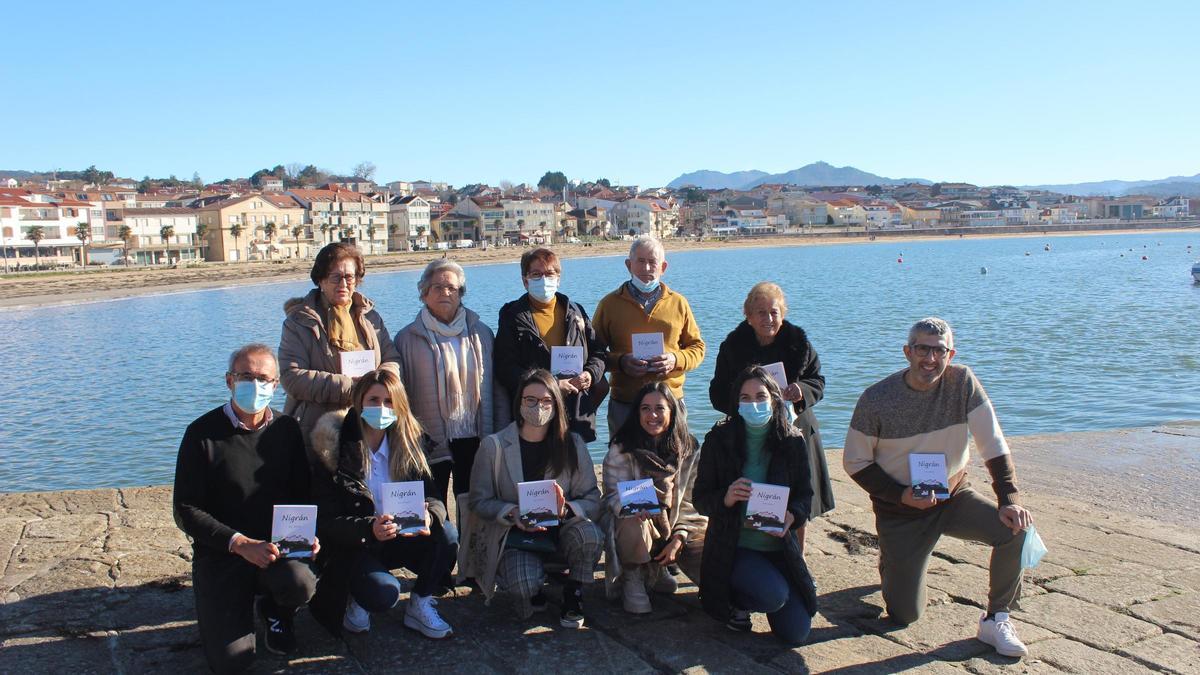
(98, 581)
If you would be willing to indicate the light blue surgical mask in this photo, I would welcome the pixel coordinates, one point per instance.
(543, 289)
(253, 396)
(643, 286)
(379, 417)
(755, 413)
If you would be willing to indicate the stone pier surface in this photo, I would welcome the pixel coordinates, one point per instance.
(98, 581)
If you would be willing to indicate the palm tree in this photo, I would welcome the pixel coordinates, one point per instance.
(84, 232)
(269, 232)
(370, 236)
(36, 234)
(392, 229)
(166, 232)
(201, 235)
(235, 231)
(324, 233)
(297, 230)
(126, 235)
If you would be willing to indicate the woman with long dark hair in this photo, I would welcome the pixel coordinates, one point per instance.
(509, 553)
(746, 570)
(654, 444)
(356, 452)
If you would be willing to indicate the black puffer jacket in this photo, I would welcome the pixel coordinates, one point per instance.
(721, 460)
(792, 348)
(346, 509)
(519, 347)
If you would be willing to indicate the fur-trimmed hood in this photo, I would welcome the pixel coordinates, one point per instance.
(326, 439)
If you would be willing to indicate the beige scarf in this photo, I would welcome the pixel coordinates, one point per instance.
(460, 367)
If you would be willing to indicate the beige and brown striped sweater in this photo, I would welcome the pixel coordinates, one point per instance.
(893, 420)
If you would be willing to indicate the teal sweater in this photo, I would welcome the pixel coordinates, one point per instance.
(758, 460)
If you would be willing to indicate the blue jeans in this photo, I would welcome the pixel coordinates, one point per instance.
(376, 589)
(761, 583)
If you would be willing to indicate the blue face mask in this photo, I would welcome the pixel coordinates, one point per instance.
(543, 289)
(252, 397)
(642, 286)
(755, 413)
(379, 418)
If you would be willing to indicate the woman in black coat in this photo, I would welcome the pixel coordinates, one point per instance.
(356, 454)
(766, 338)
(744, 570)
(541, 319)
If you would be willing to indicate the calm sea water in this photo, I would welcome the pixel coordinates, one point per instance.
(1077, 338)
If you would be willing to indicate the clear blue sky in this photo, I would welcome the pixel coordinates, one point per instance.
(1010, 92)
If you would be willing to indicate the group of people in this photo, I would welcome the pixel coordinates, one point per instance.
(451, 404)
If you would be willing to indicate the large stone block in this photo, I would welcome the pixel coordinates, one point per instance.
(1180, 613)
(1087, 623)
(50, 653)
(47, 504)
(862, 654)
(1075, 657)
(1111, 591)
(1169, 652)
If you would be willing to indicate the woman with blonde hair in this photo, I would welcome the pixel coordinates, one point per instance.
(355, 453)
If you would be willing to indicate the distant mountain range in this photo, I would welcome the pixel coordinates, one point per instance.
(817, 173)
(822, 173)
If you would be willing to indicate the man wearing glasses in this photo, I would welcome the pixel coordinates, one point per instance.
(930, 408)
(236, 462)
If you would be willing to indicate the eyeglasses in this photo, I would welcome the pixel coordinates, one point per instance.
(253, 377)
(443, 288)
(535, 276)
(532, 402)
(338, 279)
(925, 350)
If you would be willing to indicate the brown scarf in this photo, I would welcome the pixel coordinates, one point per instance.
(663, 472)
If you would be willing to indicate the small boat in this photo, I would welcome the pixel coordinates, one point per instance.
(1196, 271)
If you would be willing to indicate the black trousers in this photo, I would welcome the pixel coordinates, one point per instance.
(462, 457)
(225, 587)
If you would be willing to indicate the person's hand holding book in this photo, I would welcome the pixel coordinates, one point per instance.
(739, 491)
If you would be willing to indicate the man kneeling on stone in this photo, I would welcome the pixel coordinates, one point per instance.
(236, 462)
(930, 407)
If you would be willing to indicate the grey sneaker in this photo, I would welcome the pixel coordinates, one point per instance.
(633, 591)
(356, 619)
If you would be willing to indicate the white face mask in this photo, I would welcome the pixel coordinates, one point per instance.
(543, 289)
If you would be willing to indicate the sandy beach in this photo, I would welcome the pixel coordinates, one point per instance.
(29, 290)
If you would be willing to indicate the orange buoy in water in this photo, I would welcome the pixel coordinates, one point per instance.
(900, 260)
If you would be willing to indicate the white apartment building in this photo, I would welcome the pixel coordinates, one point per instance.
(513, 220)
(346, 215)
(148, 246)
(800, 209)
(23, 211)
(657, 217)
(408, 217)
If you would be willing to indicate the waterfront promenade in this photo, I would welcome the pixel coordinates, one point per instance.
(97, 581)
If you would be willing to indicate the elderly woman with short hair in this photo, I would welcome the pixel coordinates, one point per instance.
(332, 320)
(446, 365)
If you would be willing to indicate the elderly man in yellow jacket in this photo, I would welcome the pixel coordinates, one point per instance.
(643, 305)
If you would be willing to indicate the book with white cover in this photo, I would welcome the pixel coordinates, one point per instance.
(777, 373)
(647, 345)
(538, 503)
(359, 363)
(638, 496)
(927, 472)
(405, 502)
(294, 529)
(766, 510)
(566, 361)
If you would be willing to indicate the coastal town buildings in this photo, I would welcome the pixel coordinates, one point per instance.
(408, 223)
(255, 227)
(54, 221)
(161, 235)
(345, 215)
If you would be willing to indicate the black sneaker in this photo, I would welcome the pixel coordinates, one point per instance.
(279, 637)
(739, 620)
(673, 569)
(572, 608)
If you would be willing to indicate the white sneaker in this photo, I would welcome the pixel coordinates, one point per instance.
(421, 616)
(999, 633)
(356, 619)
